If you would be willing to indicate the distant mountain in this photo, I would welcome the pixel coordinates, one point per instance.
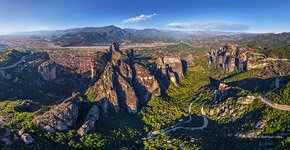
(109, 34)
(92, 36)
(146, 32)
(209, 33)
(151, 35)
(267, 39)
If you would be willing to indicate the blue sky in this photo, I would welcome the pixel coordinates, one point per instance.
(189, 15)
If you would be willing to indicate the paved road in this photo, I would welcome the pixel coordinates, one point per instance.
(274, 59)
(15, 64)
(157, 134)
(205, 124)
(274, 105)
(271, 103)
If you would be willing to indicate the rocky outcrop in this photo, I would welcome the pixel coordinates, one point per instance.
(170, 69)
(98, 63)
(91, 118)
(27, 105)
(125, 83)
(127, 94)
(146, 85)
(105, 88)
(60, 117)
(104, 105)
(25, 137)
(48, 70)
(189, 59)
(229, 57)
(246, 100)
(115, 84)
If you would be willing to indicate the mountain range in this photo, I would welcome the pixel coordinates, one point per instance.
(88, 36)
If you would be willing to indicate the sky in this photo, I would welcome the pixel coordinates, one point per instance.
(257, 16)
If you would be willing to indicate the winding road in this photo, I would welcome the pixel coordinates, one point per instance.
(157, 134)
(265, 100)
(15, 64)
(274, 105)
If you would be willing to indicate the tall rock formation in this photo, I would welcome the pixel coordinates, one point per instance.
(229, 57)
(125, 83)
(115, 84)
(105, 88)
(145, 84)
(170, 69)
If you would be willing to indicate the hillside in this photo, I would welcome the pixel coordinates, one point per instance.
(93, 36)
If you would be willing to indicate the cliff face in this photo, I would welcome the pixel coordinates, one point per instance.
(98, 61)
(125, 83)
(115, 83)
(244, 58)
(229, 57)
(146, 84)
(170, 69)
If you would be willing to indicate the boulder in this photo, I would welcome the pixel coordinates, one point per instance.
(26, 105)
(91, 118)
(25, 137)
(61, 117)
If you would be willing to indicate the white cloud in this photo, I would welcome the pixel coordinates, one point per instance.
(211, 25)
(139, 18)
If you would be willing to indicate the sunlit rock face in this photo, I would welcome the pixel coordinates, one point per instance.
(125, 83)
(146, 84)
(59, 118)
(105, 88)
(115, 83)
(170, 69)
(229, 57)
